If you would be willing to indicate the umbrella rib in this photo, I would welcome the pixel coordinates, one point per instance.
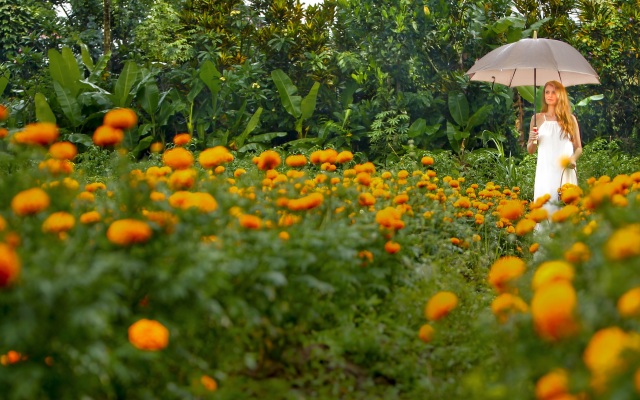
(512, 76)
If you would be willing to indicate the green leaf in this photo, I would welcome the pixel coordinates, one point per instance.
(253, 122)
(99, 68)
(4, 81)
(122, 93)
(81, 138)
(417, 128)
(143, 144)
(150, 98)
(478, 117)
(459, 108)
(210, 76)
(287, 91)
(308, 105)
(43, 111)
(86, 57)
(72, 71)
(69, 104)
(586, 100)
(267, 137)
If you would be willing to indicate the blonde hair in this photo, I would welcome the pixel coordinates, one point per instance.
(563, 109)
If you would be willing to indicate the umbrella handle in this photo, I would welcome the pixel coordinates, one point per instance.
(535, 130)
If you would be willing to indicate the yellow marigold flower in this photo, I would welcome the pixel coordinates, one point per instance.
(156, 147)
(577, 253)
(182, 179)
(366, 199)
(623, 243)
(504, 271)
(552, 271)
(157, 196)
(392, 247)
(181, 139)
(38, 133)
(525, 226)
(56, 167)
(63, 150)
(249, 221)
(507, 304)
(90, 217)
(148, 335)
(629, 303)
(344, 157)
(294, 161)
(462, 202)
(553, 385)
(564, 161)
(538, 215)
(94, 186)
(565, 213)
(390, 218)
(30, 201)
(105, 136)
(367, 167)
(426, 160)
(269, 159)
(552, 308)
(58, 222)
(426, 333)
(540, 201)
(86, 196)
(604, 352)
(125, 232)
(534, 247)
(209, 383)
(120, 118)
(239, 172)
(215, 156)
(570, 194)
(440, 305)
(401, 198)
(284, 235)
(511, 210)
(164, 219)
(9, 265)
(178, 158)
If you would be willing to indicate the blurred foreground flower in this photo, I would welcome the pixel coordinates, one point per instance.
(148, 335)
(9, 265)
(440, 305)
(125, 232)
(30, 201)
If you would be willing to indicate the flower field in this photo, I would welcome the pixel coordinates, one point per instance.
(209, 274)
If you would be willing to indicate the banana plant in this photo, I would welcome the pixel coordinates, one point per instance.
(300, 108)
(459, 132)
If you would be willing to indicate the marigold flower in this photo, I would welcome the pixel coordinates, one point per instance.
(604, 353)
(58, 222)
(156, 147)
(63, 150)
(164, 219)
(148, 335)
(209, 383)
(269, 159)
(344, 157)
(249, 221)
(181, 139)
(56, 167)
(366, 199)
(570, 194)
(577, 253)
(363, 178)
(552, 271)
(552, 385)
(215, 156)
(4, 113)
(90, 217)
(540, 201)
(426, 160)
(178, 158)
(308, 202)
(30, 201)
(9, 265)
(552, 308)
(105, 136)
(3, 133)
(538, 215)
(426, 333)
(392, 247)
(38, 133)
(534, 247)
(3, 224)
(120, 118)
(390, 218)
(511, 210)
(629, 303)
(623, 243)
(504, 271)
(440, 305)
(565, 213)
(125, 232)
(525, 226)
(182, 179)
(200, 200)
(507, 304)
(295, 161)
(284, 235)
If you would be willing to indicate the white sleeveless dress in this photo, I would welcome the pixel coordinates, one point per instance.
(553, 146)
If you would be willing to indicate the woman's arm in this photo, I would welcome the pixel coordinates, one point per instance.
(577, 143)
(533, 136)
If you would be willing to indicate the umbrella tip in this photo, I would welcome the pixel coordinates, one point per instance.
(535, 34)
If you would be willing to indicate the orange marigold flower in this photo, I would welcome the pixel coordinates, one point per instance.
(623, 243)
(363, 178)
(201, 200)
(552, 308)
(94, 186)
(565, 213)
(105, 136)
(426, 160)
(553, 385)
(525, 226)
(215, 156)
(156, 147)
(570, 194)
(38, 133)
(507, 304)
(629, 303)
(178, 158)
(4, 113)
(511, 210)
(604, 352)
(308, 202)
(181, 139)
(426, 333)
(440, 305)
(283, 235)
(534, 247)
(577, 253)
(366, 199)
(56, 167)
(120, 118)
(90, 217)
(148, 335)
(63, 150)
(3, 224)
(30, 201)
(209, 383)
(504, 271)
(552, 271)
(249, 221)
(9, 265)
(182, 179)
(12, 357)
(125, 232)
(58, 222)
(540, 201)
(402, 198)
(3, 133)
(538, 214)
(392, 247)
(239, 172)
(390, 218)
(269, 159)
(294, 161)
(344, 157)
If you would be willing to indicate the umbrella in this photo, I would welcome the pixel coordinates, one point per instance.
(529, 61)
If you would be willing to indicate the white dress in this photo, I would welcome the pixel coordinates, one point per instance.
(553, 146)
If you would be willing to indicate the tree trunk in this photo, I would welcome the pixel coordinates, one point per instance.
(106, 16)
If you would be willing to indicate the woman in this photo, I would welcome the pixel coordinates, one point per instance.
(557, 141)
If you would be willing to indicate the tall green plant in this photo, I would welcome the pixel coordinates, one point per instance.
(300, 108)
